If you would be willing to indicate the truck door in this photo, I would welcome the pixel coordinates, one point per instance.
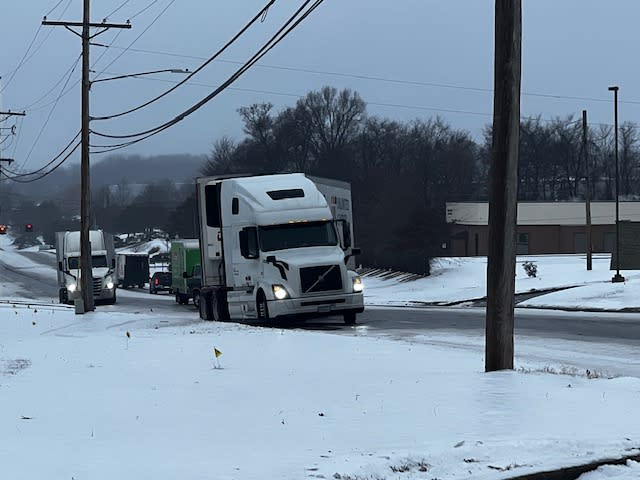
(208, 201)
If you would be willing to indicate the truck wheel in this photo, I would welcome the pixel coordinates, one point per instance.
(262, 307)
(219, 306)
(205, 307)
(196, 299)
(111, 301)
(350, 318)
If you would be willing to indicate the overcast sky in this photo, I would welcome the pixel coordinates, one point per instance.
(407, 58)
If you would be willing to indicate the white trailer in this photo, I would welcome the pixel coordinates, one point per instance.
(102, 266)
(271, 248)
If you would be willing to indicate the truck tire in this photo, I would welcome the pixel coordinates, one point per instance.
(219, 306)
(205, 307)
(350, 317)
(112, 301)
(196, 299)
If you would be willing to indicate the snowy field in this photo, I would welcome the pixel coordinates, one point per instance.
(460, 280)
(129, 396)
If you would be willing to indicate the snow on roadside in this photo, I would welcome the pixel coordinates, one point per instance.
(89, 401)
(629, 471)
(462, 279)
(601, 296)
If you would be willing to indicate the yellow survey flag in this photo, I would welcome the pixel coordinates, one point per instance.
(217, 352)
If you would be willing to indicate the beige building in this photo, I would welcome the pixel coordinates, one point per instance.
(543, 227)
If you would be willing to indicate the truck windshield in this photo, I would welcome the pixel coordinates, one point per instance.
(97, 261)
(297, 235)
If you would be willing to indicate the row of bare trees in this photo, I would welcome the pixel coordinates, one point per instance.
(402, 173)
(552, 163)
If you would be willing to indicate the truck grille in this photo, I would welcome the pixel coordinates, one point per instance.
(97, 287)
(320, 279)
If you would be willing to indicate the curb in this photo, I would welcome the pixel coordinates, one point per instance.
(572, 473)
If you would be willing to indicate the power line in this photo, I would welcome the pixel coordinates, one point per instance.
(44, 126)
(197, 70)
(54, 7)
(287, 28)
(26, 57)
(73, 85)
(116, 10)
(15, 174)
(44, 174)
(380, 79)
(144, 9)
(138, 37)
(60, 80)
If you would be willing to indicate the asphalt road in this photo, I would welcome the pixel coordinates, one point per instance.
(620, 328)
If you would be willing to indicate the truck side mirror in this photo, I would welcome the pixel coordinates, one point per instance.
(185, 275)
(249, 242)
(113, 263)
(60, 266)
(345, 230)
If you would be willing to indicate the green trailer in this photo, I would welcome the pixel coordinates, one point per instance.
(186, 277)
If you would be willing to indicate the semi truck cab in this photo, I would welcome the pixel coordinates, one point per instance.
(270, 249)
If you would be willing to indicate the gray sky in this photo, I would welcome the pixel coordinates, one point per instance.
(439, 51)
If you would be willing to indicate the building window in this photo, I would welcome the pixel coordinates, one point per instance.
(522, 245)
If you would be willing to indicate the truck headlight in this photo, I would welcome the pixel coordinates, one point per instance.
(358, 286)
(109, 283)
(279, 292)
(71, 287)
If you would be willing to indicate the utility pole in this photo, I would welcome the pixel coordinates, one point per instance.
(503, 188)
(85, 191)
(587, 192)
(7, 160)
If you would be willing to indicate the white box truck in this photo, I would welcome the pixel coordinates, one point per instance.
(102, 262)
(271, 248)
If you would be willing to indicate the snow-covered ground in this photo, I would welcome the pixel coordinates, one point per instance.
(130, 395)
(459, 280)
(119, 395)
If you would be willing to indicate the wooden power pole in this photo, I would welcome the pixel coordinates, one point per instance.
(587, 192)
(86, 276)
(503, 187)
(7, 160)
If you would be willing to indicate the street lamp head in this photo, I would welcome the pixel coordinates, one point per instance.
(613, 89)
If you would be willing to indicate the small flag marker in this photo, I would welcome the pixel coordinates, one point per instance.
(217, 353)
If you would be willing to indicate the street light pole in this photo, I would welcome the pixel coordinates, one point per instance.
(617, 278)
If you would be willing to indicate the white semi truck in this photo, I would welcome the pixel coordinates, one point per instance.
(271, 248)
(104, 279)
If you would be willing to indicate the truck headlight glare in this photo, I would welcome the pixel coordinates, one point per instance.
(357, 284)
(109, 283)
(279, 292)
(71, 287)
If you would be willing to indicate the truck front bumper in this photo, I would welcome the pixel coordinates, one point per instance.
(316, 306)
(102, 294)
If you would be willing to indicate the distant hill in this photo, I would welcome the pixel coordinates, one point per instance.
(142, 169)
(113, 170)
